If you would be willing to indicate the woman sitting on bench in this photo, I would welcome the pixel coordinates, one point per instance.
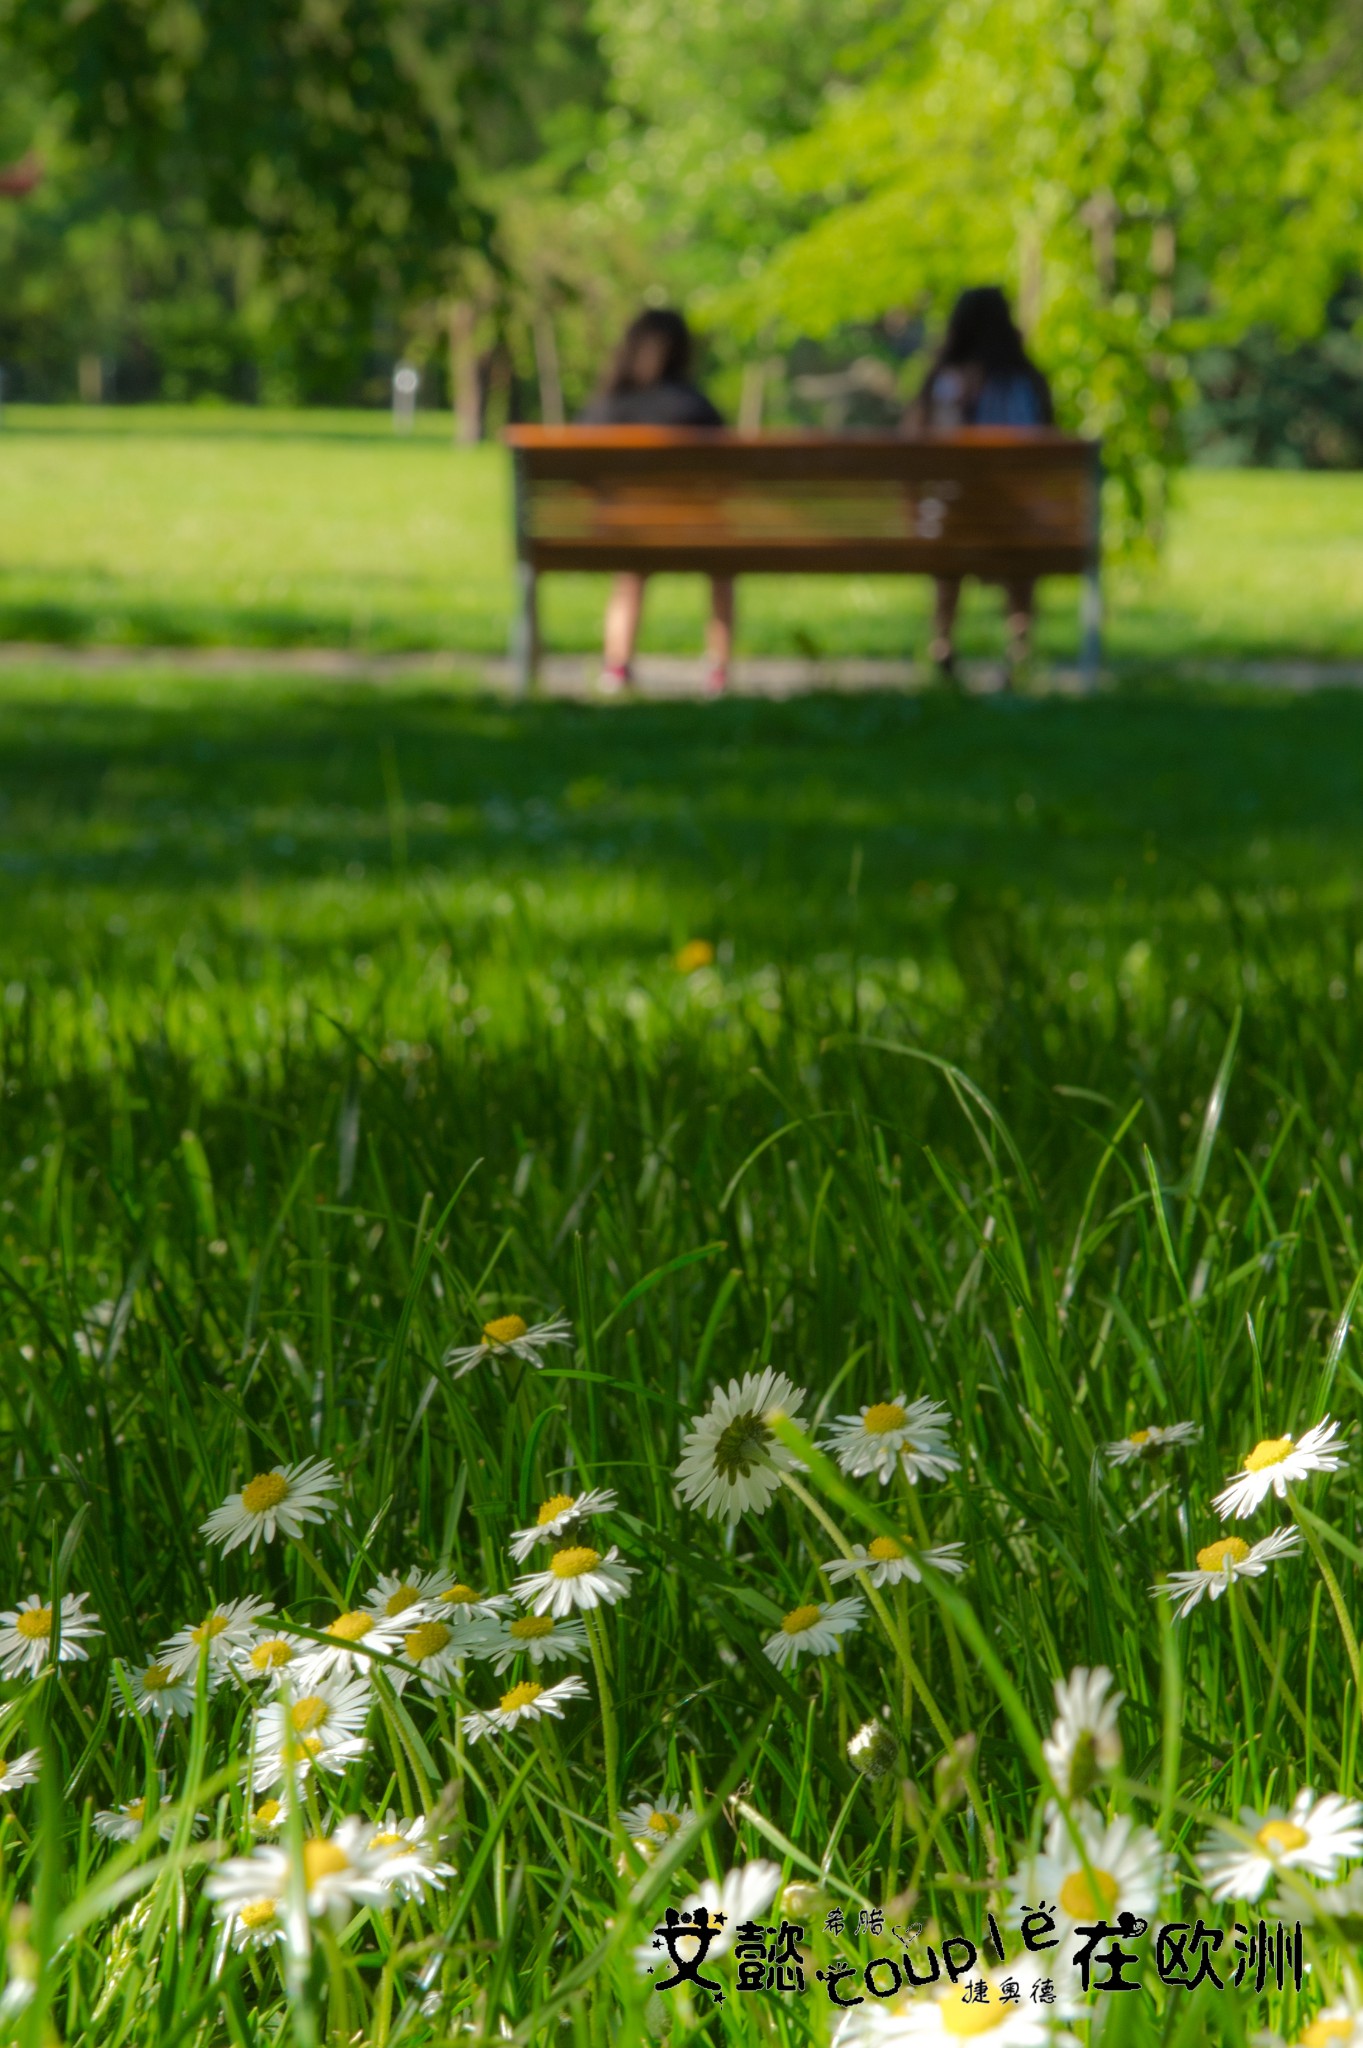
(648, 385)
(981, 376)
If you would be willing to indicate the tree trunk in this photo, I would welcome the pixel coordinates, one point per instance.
(464, 385)
(547, 367)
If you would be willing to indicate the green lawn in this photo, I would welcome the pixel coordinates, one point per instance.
(163, 525)
(338, 1020)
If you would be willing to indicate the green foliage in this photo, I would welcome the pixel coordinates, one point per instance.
(1145, 178)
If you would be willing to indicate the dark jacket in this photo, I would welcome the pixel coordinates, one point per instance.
(652, 405)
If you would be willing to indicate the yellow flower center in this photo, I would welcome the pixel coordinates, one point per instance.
(348, 1628)
(206, 1630)
(1139, 1436)
(322, 1859)
(264, 1492)
(398, 1602)
(799, 1619)
(883, 1416)
(552, 1509)
(156, 1678)
(427, 1641)
(268, 1812)
(308, 1713)
(529, 1628)
(306, 1745)
(883, 1548)
(460, 1596)
(1232, 1549)
(136, 1809)
(35, 1624)
(504, 1330)
(1271, 1451)
(659, 1823)
(1323, 2031)
(259, 1913)
(695, 953)
(523, 1695)
(967, 2022)
(572, 1563)
(270, 1655)
(1088, 1900)
(390, 1839)
(1277, 1837)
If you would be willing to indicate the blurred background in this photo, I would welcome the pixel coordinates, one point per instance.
(278, 202)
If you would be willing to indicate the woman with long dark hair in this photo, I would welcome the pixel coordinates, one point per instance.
(649, 384)
(981, 376)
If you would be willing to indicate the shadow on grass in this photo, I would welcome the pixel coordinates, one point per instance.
(797, 829)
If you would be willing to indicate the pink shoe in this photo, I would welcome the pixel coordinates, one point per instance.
(716, 681)
(613, 680)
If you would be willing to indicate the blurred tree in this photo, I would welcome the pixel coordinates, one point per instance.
(343, 140)
(1150, 176)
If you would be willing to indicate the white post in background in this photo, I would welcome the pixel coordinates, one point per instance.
(406, 382)
(90, 380)
(465, 384)
(750, 398)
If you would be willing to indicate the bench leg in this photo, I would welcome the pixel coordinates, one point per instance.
(1091, 629)
(525, 632)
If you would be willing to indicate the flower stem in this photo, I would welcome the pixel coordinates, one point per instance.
(1346, 1627)
(609, 1733)
(311, 1558)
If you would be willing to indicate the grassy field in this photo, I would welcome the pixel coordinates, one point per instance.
(1024, 1078)
(198, 526)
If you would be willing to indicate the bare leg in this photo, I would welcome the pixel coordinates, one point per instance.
(623, 609)
(1020, 600)
(945, 605)
(719, 634)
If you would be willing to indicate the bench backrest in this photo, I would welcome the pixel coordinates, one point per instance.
(997, 501)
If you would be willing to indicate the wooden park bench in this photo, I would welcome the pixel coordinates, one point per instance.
(1002, 503)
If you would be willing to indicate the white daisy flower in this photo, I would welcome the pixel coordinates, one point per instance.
(409, 1864)
(157, 1691)
(887, 1560)
(1316, 1836)
(890, 1436)
(578, 1576)
(277, 1657)
(397, 1593)
(435, 1651)
(19, 1770)
(270, 1813)
(283, 1499)
(528, 1701)
(948, 2014)
(1126, 1871)
(1085, 1743)
(813, 1630)
(26, 1634)
(510, 1337)
(461, 1605)
(1148, 1443)
(340, 1872)
(318, 1729)
(740, 1895)
(654, 1823)
(1336, 2026)
(1220, 1564)
(537, 1636)
(1277, 1463)
(731, 1459)
(125, 1823)
(556, 1515)
(224, 1632)
(354, 1635)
